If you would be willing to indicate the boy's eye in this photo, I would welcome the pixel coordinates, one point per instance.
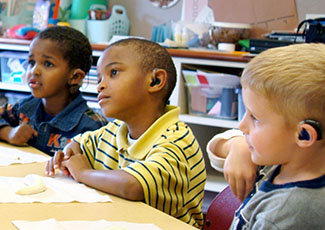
(48, 64)
(253, 118)
(31, 62)
(114, 72)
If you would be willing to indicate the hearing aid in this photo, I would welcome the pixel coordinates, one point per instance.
(155, 80)
(304, 135)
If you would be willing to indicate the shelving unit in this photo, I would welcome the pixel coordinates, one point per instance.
(221, 62)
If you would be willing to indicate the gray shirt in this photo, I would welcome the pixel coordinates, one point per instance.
(297, 205)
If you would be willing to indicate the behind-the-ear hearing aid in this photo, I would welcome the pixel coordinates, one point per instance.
(304, 135)
(155, 80)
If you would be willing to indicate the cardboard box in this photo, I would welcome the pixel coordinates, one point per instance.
(263, 15)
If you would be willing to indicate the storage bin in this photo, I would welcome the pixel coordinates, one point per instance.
(212, 94)
(103, 30)
(13, 66)
(212, 101)
(79, 24)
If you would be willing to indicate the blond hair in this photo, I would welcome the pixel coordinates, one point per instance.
(292, 78)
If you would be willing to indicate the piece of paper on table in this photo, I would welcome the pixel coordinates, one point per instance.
(9, 155)
(81, 225)
(60, 189)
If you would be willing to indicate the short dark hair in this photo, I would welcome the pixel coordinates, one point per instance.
(152, 55)
(74, 45)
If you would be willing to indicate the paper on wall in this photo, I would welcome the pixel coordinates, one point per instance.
(191, 9)
(205, 15)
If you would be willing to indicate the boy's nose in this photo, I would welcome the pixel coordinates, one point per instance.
(100, 87)
(35, 70)
(243, 124)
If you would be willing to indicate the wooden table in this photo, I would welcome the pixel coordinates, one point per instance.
(118, 210)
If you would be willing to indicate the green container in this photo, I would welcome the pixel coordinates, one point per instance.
(79, 8)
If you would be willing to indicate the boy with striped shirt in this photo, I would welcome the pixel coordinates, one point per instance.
(146, 153)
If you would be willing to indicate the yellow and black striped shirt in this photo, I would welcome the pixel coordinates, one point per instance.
(166, 159)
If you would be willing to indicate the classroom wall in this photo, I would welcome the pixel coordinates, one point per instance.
(143, 15)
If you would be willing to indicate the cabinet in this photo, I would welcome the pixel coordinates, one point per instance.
(203, 127)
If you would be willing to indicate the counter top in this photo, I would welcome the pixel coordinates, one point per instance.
(186, 53)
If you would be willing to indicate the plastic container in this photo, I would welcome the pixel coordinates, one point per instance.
(241, 107)
(103, 30)
(24, 17)
(214, 96)
(13, 66)
(79, 24)
(79, 8)
(212, 101)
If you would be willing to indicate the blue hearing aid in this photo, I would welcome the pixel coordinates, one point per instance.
(304, 135)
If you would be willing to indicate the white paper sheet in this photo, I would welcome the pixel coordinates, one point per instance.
(81, 225)
(60, 189)
(9, 155)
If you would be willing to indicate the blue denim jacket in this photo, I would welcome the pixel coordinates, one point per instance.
(54, 134)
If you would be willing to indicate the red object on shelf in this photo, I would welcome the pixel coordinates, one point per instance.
(13, 32)
(56, 10)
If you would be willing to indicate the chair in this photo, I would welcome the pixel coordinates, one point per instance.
(221, 211)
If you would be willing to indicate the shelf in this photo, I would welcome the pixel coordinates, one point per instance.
(222, 123)
(23, 45)
(14, 87)
(87, 88)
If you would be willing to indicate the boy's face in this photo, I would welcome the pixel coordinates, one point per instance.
(122, 86)
(269, 138)
(47, 71)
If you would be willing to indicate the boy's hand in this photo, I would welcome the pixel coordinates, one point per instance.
(239, 170)
(56, 162)
(76, 165)
(18, 135)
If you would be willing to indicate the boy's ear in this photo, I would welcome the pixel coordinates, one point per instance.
(77, 76)
(307, 135)
(157, 80)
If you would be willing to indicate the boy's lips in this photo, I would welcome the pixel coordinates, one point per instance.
(249, 145)
(101, 98)
(34, 84)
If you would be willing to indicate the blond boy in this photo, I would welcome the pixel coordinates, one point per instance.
(283, 93)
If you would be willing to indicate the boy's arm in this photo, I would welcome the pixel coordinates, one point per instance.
(17, 135)
(115, 182)
(10, 129)
(72, 162)
(239, 171)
